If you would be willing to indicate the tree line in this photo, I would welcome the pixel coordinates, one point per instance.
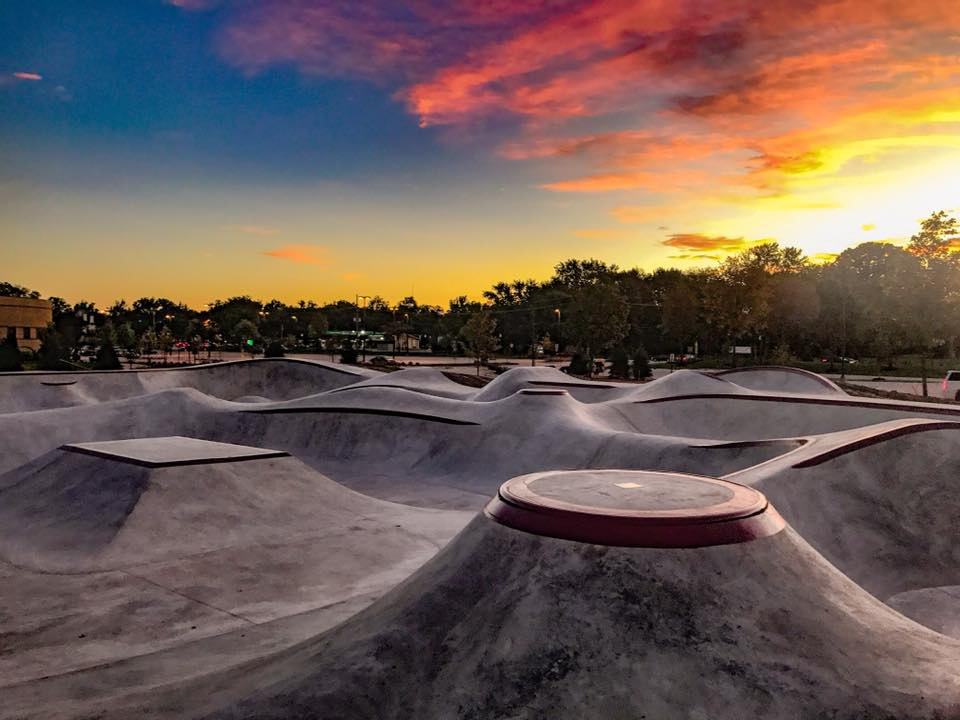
(875, 299)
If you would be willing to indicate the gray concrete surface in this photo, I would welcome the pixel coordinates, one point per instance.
(214, 580)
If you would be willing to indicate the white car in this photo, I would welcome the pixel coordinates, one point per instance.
(950, 385)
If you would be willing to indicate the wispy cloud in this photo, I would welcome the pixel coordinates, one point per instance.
(306, 254)
(258, 230)
(27, 76)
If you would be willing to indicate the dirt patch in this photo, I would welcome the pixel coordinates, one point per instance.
(863, 391)
(465, 379)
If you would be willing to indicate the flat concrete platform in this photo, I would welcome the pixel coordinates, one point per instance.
(171, 451)
(634, 508)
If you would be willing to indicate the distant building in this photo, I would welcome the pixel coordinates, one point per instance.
(23, 319)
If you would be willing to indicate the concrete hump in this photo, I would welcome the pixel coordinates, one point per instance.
(511, 621)
(781, 379)
(519, 378)
(106, 505)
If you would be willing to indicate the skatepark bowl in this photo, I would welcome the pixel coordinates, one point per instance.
(284, 538)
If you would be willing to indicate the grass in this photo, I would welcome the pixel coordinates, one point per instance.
(902, 366)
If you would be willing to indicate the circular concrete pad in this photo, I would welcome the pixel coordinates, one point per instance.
(634, 508)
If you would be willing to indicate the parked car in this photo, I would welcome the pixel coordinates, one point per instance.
(950, 385)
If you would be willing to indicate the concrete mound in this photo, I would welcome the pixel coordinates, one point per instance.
(428, 381)
(519, 378)
(274, 378)
(107, 505)
(781, 379)
(509, 622)
(756, 416)
(882, 505)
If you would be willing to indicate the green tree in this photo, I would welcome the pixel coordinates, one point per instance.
(106, 353)
(479, 333)
(54, 351)
(165, 342)
(641, 365)
(148, 344)
(18, 291)
(245, 330)
(938, 238)
(126, 338)
(596, 319)
(619, 363)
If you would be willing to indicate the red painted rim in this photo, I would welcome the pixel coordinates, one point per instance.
(745, 516)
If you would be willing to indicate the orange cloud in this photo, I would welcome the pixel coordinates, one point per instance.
(698, 242)
(27, 76)
(306, 254)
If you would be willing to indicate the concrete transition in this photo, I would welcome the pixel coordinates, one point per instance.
(294, 539)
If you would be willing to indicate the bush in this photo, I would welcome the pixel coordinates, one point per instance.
(619, 363)
(10, 355)
(274, 349)
(53, 351)
(641, 365)
(106, 354)
(578, 365)
(348, 353)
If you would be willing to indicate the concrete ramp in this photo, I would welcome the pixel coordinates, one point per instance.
(882, 505)
(781, 379)
(510, 621)
(273, 378)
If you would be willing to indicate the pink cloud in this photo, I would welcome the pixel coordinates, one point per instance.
(306, 254)
(700, 94)
(27, 76)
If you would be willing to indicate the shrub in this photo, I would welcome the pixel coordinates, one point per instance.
(641, 365)
(348, 353)
(619, 363)
(10, 355)
(578, 365)
(106, 354)
(274, 349)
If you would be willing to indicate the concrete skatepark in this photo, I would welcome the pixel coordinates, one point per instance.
(294, 539)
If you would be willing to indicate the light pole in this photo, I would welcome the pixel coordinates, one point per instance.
(356, 320)
(556, 311)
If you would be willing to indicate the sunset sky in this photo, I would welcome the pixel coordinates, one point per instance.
(198, 149)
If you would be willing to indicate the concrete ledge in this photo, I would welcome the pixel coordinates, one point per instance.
(172, 451)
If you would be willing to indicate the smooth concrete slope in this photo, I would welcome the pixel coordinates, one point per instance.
(780, 379)
(439, 452)
(508, 622)
(429, 381)
(519, 378)
(752, 415)
(881, 503)
(274, 378)
(112, 551)
(24, 437)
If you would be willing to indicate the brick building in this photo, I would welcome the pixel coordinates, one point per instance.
(24, 318)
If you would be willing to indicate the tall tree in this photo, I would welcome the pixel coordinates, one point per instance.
(479, 333)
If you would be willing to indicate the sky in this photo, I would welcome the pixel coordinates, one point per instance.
(199, 149)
